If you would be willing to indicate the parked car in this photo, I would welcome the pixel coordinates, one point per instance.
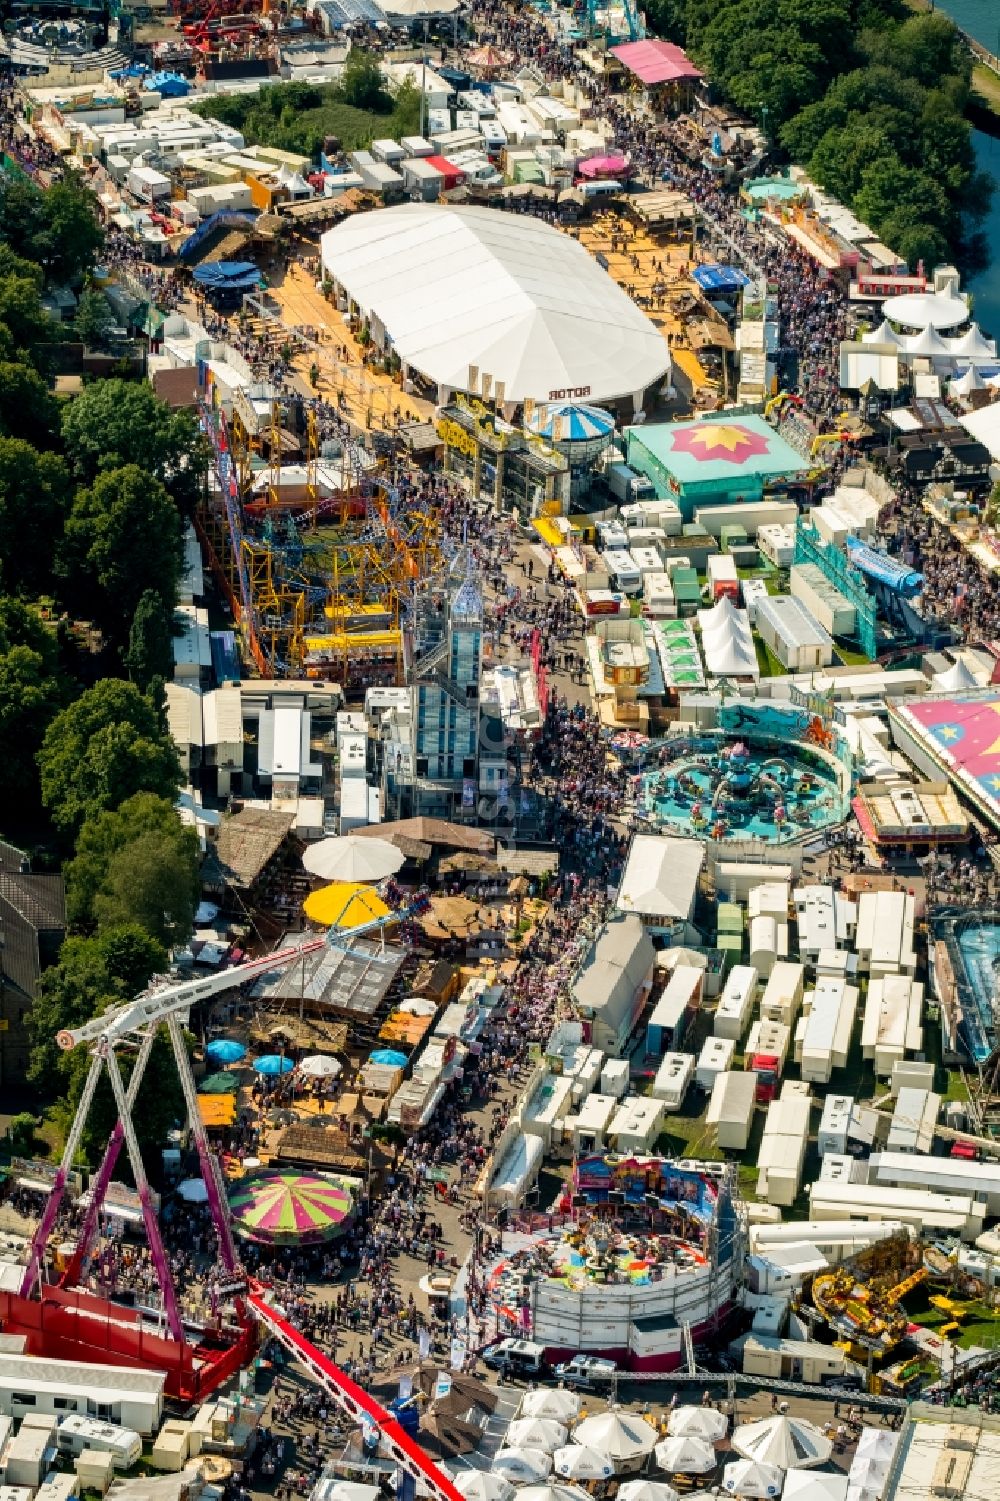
(587, 1372)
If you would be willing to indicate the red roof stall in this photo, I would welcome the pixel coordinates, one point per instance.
(453, 176)
(654, 62)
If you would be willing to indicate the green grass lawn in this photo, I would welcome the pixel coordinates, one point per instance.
(768, 663)
(981, 1325)
(849, 657)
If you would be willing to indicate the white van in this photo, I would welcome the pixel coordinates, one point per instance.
(625, 576)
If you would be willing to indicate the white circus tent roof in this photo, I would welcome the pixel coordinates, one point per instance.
(973, 344)
(926, 310)
(927, 342)
(884, 334)
(727, 641)
(969, 381)
(462, 289)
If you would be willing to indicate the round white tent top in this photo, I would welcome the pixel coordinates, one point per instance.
(926, 310)
(504, 294)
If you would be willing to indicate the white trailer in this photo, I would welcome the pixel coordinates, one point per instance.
(893, 1021)
(823, 1034)
(658, 601)
(77, 1432)
(750, 515)
(913, 1121)
(834, 1125)
(731, 1109)
(736, 1002)
(673, 1077)
(783, 1150)
(715, 1058)
(783, 993)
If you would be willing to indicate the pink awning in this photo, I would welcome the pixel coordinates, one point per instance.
(604, 166)
(653, 61)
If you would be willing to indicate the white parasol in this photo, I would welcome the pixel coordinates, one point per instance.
(349, 858)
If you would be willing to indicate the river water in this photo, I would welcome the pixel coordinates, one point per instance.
(981, 19)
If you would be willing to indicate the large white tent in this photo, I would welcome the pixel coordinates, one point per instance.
(926, 309)
(468, 292)
(727, 641)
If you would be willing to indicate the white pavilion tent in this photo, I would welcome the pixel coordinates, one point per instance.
(970, 380)
(807, 1485)
(727, 641)
(973, 345)
(466, 292)
(783, 1440)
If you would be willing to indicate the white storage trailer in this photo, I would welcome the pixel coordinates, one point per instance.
(736, 1002)
(673, 1077)
(731, 1109)
(715, 1058)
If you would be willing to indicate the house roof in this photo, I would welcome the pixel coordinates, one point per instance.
(661, 876)
(432, 831)
(616, 965)
(246, 843)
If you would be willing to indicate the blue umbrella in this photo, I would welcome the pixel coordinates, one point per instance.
(572, 422)
(389, 1056)
(273, 1063)
(225, 1050)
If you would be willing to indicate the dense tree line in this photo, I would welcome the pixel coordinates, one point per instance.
(868, 97)
(93, 495)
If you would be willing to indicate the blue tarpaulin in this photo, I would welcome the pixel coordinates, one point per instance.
(720, 278)
(169, 85)
(234, 276)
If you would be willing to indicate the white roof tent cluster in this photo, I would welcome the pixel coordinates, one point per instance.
(464, 293)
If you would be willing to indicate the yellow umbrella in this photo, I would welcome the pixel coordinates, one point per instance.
(344, 904)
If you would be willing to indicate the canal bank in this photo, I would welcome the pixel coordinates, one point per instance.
(981, 20)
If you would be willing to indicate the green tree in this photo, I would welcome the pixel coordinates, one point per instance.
(361, 81)
(27, 408)
(114, 423)
(101, 750)
(122, 540)
(58, 229)
(34, 501)
(22, 313)
(93, 318)
(153, 881)
(92, 974)
(150, 652)
(21, 1133)
(93, 871)
(71, 234)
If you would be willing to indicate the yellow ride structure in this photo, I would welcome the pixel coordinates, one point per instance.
(322, 560)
